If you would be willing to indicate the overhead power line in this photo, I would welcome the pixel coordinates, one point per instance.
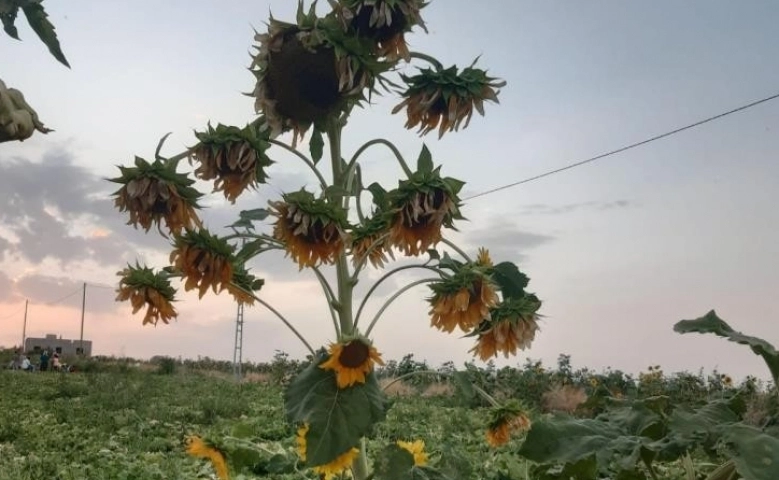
(628, 147)
(12, 314)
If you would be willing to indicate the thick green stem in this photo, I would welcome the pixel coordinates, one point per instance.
(360, 466)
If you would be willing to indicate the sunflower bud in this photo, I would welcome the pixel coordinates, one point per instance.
(312, 229)
(145, 287)
(443, 99)
(153, 193)
(18, 120)
(234, 158)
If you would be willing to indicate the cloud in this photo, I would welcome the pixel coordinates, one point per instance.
(505, 241)
(547, 209)
(6, 288)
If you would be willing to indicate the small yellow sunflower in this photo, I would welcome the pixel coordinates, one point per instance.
(204, 260)
(445, 98)
(417, 449)
(329, 470)
(154, 193)
(196, 447)
(143, 287)
(311, 229)
(352, 361)
(506, 421)
(235, 158)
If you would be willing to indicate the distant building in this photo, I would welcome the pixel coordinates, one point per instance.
(60, 345)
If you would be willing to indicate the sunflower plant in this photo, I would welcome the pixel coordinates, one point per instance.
(309, 76)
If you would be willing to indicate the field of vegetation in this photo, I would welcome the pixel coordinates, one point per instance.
(122, 419)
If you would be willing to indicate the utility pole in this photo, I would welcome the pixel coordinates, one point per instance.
(83, 307)
(24, 327)
(238, 350)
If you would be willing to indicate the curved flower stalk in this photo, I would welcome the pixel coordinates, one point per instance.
(145, 287)
(384, 21)
(443, 99)
(18, 120)
(235, 158)
(311, 229)
(153, 193)
(310, 71)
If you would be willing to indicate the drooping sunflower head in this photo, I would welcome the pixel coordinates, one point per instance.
(312, 229)
(512, 326)
(421, 206)
(235, 158)
(310, 71)
(329, 470)
(463, 299)
(416, 449)
(243, 284)
(352, 359)
(443, 99)
(145, 287)
(154, 193)
(370, 241)
(506, 420)
(199, 448)
(385, 22)
(204, 260)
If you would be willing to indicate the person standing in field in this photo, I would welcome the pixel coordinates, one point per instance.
(44, 361)
(55, 362)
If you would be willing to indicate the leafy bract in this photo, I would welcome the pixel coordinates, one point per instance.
(711, 323)
(337, 418)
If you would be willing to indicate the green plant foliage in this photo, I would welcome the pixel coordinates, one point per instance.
(711, 323)
(755, 454)
(337, 418)
(38, 20)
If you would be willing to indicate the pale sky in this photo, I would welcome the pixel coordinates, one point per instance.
(618, 250)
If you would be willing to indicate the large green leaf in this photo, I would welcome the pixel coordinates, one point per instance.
(756, 454)
(512, 282)
(711, 323)
(8, 18)
(337, 418)
(38, 20)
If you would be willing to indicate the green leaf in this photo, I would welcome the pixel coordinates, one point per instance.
(8, 20)
(38, 20)
(337, 418)
(254, 215)
(316, 145)
(425, 160)
(511, 281)
(711, 323)
(756, 454)
(394, 463)
(584, 469)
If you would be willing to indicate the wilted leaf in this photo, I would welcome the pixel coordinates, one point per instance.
(756, 453)
(711, 323)
(511, 281)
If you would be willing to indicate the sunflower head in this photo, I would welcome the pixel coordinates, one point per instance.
(145, 287)
(512, 326)
(199, 448)
(327, 471)
(154, 193)
(310, 71)
(204, 260)
(421, 206)
(312, 229)
(443, 99)
(383, 21)
(235, 158)
(416, 449)
(370, 241)
(243, 285)
(352, 359)
(506, 420)
(463, 299)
